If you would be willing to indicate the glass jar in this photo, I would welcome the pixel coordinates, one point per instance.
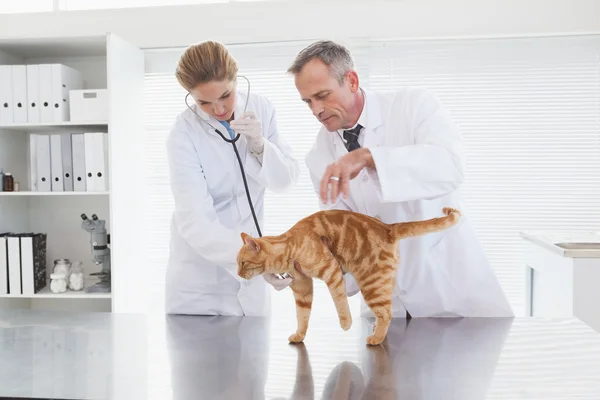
(8, 182)
(76, 276)
(62, 266)
(58, 283)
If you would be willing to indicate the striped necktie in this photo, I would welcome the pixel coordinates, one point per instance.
(351, 137)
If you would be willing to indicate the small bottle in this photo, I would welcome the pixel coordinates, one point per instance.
(76, 276)
(62, 267)
(8, 182)
(58, 283)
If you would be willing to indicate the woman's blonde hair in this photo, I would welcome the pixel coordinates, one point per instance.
(205, 62)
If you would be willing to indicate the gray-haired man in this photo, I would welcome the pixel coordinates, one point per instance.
(397, 156)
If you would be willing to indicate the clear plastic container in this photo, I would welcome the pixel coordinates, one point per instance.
(76, 280)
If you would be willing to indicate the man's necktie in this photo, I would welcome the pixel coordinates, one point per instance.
(351, 137)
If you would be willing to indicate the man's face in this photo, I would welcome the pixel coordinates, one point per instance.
(331, 102)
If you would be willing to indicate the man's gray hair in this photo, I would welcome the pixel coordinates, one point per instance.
(335, 56)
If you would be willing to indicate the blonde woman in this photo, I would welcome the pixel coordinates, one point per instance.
(211, 206)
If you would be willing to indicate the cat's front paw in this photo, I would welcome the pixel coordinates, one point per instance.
(296, 338)
(346, 322)
(375, 340)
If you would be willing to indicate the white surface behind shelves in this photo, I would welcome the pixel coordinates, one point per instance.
(58, 217)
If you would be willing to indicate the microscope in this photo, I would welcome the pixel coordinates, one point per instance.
(99, 239)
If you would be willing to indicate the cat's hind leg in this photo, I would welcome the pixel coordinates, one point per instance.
(302, 286)
(377, 288)
(331, 273)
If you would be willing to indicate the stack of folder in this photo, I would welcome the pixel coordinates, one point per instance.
(36, 93)
(22, 263)
(69, 162)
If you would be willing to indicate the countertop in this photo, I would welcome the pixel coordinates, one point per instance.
(119, 356)
(548, 240)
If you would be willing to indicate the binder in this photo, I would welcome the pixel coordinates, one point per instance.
(14, 264)
(19, 77)
(33, 183)
(3, 263)
(33, 262)
(90, 182)
(33, 93)
(79, 163)
(56, 163)
(6, 93)
(101, 143)
(46, 113)
(67, 161)
(96, 160)
(64, 78)
(43, 163)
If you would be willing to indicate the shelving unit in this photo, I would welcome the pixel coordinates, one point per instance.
(106, 62)
(56, 126)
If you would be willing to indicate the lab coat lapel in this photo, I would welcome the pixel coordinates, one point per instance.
(366, 183)
(373, 136)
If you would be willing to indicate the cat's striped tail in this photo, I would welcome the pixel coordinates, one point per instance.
(416, 228)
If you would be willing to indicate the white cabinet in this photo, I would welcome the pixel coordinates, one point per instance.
(562, 282)
(105, 62)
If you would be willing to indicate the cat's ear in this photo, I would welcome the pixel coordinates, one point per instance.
(249, 240)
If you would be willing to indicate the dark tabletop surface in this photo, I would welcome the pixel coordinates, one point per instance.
(118, 356)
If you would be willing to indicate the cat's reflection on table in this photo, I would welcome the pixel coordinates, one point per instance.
(423, 359)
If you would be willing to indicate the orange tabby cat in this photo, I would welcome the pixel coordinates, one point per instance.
(328, 244)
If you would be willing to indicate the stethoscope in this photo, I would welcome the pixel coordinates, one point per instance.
(237, 153)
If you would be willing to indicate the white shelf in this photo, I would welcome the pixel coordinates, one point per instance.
(27, 193)
(46, 293)
(56, 126)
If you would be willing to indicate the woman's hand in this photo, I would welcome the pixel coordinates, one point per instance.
(251, 128)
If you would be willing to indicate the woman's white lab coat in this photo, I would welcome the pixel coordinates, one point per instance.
(211, 210)
(418, 155)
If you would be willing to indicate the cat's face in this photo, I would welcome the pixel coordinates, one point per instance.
(252, 257)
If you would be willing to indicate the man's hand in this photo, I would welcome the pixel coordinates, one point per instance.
(337, 175)
(278, 284)
(251, 128)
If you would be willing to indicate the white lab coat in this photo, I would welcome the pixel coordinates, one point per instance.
(211, 210)
(418, 155)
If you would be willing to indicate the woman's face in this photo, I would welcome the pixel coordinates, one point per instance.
(216, 98)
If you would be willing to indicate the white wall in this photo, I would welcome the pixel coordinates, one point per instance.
(303, 20)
